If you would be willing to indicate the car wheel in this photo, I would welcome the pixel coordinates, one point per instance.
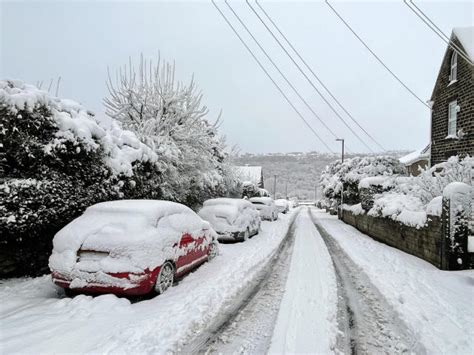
(213, 251)
(165, 278)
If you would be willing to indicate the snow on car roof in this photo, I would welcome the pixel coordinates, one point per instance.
(229, 211)
(265, 200)
(238, 202)
(149, 208)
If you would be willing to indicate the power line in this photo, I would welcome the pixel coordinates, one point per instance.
(278, 69)
(270, 77)
(376, 56)
(307, 78)
(317, 78)
(433, 27)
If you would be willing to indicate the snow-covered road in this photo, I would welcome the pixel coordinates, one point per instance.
(435, 306)
(36, 318)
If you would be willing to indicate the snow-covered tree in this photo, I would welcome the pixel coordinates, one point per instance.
(169, 116)
(346, 176)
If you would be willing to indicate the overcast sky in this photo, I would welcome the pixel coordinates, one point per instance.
(79, 40)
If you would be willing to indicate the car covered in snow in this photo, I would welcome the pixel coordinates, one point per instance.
(233, 219)
(130, 247)
(283, 205)
(266, 207)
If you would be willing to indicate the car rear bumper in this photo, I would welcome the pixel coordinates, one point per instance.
(124, 283)
(230, 236)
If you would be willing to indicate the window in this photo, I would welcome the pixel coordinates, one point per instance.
(454, 67)
(452, 115)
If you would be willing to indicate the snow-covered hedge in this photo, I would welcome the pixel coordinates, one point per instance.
(350, 173)
(410, 200)
(383, 191)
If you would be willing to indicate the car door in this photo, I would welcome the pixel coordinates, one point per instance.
(191, 249)
(185, 252)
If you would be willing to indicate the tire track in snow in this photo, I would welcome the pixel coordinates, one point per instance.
(248, 325)
(367, 323)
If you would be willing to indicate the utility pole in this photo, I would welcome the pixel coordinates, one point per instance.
(274, 186)
(286, 189)
(342, 160)
(315, 193)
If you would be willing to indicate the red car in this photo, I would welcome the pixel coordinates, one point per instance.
(130, 247)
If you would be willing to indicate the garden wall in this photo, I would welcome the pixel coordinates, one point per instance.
(426, 243)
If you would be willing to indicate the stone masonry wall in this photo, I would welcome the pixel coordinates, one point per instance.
(426, 243)
(462, 91)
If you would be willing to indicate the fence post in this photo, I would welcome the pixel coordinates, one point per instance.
(457, 205)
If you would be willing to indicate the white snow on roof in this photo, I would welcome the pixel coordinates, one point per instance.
(150, 208)
(237, 202)
(420, 154)
(249, 173)
(465, 35)
(264, 200)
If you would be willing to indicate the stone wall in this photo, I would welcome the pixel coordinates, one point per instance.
(426, 243)
(463, 91)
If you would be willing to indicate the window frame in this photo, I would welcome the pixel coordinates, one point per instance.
(452, 111)
(453, 68)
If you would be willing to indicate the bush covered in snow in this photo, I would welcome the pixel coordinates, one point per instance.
(410, 200)
(346, 176)
(413, 198)
(170, 117)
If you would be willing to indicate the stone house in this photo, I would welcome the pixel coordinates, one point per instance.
(452, 101)
(417, 160)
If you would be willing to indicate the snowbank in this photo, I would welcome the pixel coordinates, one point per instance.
(306, 321)
(436, 305)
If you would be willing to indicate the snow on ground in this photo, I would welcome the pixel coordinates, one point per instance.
(437, 305)
(307, 320)
(36, 318)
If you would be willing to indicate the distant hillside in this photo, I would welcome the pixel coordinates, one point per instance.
(299, 171)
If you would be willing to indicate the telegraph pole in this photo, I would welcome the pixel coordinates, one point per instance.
(286, 189)
(274, 186)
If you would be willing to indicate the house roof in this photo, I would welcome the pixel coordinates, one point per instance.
(252, 174)
(465, 35)
(417, 155)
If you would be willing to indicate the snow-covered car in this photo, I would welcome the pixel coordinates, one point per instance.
(232, 218)
(283, 205)
(130, 247)
(266, 207)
